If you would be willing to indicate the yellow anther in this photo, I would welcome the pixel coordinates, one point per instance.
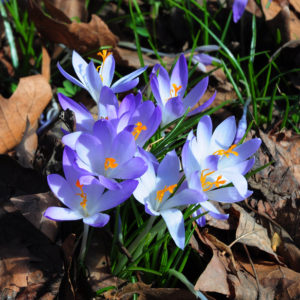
(175, 90)
(104, 54)
(226, 152)
(207, 185)
(138, 129)
(160, 193)
(82, 194)
(110, 163)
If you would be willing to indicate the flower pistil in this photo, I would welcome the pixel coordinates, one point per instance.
(160, 193)
(82, 195)
(226, 152)
(138, 129)
(110, 163)
(207, 185)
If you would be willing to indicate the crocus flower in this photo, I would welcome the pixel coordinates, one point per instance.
(141, 118)
(238, 9)
(84, 119)
(84, 201)
(169, 92)
(202, 60)
(156, 190)
(210, 162)
(216, 149)
(93, 80)
(109, 155)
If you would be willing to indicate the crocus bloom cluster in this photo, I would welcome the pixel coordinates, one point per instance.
(104, 162)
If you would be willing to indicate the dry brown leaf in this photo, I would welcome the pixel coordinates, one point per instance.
(28, 101)
(32, 207)
(214, 277)
(82, 37)
(280, 17)
(281, 281)
(28, 260)
(72, 9)
(249, 232)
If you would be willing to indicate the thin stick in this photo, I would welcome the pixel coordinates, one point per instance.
(254, 271)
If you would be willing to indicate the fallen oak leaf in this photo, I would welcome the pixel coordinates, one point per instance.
(82, 37)
(28, 101)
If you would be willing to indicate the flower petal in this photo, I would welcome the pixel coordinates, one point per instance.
(61, 214)
(70, 139)
(131, 169)
(97, 220)
(195, 94)
(114, 198)
(93, 81)
(238, 9)
(173, 110)
(108, 70)
(180, 75)
(203, 106)
(69, 77)
(227, 195)
(175, 223)
(127, 82)
(185, 197)
(223, 135)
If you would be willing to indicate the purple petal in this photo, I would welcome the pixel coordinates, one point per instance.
(227, 195)
(97, 220)
(164, 85)
(223, 135)
(168, 170)
(79, 65)
(84, 119)
(123, 147)
(183, 198)
(189, 161)
(204, 105)
(93, 81)
(127, 82)
(155, 90)
(109, 183)
(238, 181)
(91, 152)
(107, 97)
(238, 9)
(174, 109)
(204, 58)
(114, 198)
(62, 190)
(131, 169)
(69, 77)
(70, 139)
(108, 70)
(204, 132)
(61, 214)
(175, 223)
(195, 94)
(180, 75)
(244, 150)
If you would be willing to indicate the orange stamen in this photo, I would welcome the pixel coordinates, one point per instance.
(175, 90)
(207, 185)
(160, 193)
(226, 152)
(138, 129)
(82, 194)
(104, 54)
(110, 163)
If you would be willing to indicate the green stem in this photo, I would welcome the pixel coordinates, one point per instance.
(83, 242)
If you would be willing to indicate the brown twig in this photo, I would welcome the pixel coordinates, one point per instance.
(254, 271)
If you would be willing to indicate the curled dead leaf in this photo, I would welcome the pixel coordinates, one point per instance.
(28, 101)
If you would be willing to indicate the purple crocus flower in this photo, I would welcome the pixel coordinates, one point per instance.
(210, 161)
(109, 155)
(93, 80)
(84, 201)
(169, 92)
(202, 60)
(156, 190)
(140, 118)
(84, 119)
